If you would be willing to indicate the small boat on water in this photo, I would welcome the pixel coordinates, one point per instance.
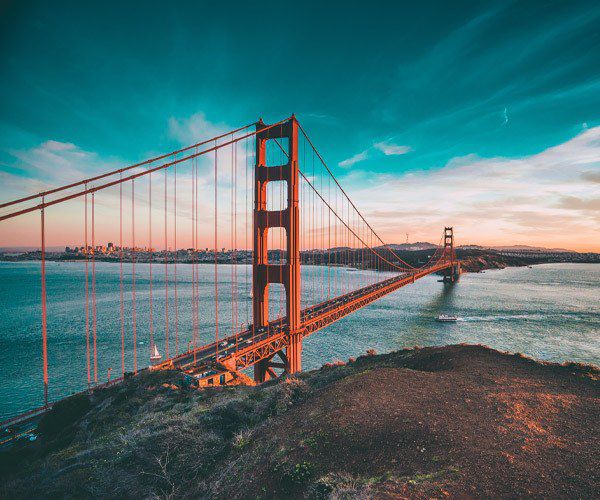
(155, 357)
(445, 318)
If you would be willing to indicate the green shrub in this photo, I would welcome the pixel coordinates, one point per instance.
(291, 477)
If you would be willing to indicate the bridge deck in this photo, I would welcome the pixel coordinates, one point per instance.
(237, 352)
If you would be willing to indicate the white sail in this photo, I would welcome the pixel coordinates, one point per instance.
(155, 356)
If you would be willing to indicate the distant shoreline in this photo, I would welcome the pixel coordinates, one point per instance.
(468, 267)
(472, 260)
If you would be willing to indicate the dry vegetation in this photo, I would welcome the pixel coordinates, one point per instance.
(455, 421)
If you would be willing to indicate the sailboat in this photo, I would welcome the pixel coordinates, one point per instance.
(155, 357)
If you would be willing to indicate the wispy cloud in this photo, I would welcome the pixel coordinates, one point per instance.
(195, 128)
(575, 203)
(348, 162)
(319, 117)
(57, 162)
(591, 176)
(52, 164)
(391, 149)
(505, 116)
(388, 148)
(549, 198)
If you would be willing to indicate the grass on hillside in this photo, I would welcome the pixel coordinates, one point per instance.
(154, 436)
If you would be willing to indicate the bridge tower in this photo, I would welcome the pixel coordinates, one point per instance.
(287, 273)
(450, 274)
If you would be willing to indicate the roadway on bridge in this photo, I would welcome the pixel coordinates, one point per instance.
(197, 362)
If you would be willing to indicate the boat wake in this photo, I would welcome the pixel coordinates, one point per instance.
(503, 317)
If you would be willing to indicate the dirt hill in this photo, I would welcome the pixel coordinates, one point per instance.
(458, 421)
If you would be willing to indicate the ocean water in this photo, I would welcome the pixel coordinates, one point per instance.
(550, 312)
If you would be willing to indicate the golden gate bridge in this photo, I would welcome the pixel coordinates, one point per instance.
(261, 187)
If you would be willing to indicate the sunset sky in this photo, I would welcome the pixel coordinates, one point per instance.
(480, 115)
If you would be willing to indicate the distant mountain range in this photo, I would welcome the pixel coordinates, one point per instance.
(423, 245)
(516, 248)
(537, 249)
(32, 249)
(410, 247)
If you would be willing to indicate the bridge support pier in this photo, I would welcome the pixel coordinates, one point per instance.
(287, 273)
(451, 273)
(265, 369)
(263, 372)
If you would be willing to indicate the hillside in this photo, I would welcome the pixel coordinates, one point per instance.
(476, 261)
(457, 420)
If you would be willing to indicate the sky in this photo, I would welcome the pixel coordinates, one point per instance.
(480, 115)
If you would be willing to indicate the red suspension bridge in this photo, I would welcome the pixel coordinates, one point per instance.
(262, 191)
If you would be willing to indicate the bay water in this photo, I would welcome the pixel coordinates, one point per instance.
(549, 312)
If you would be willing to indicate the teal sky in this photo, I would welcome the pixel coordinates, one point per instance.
(387, 89)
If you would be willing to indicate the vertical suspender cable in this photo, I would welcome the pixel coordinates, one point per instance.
(87, 299)
(216, 263)
(235, 243)
(121, 278)
(253, 184)
(246, 228)
(94, 315)
(281, 287)
(151, 258)
(329, 239)
(175, 260)
(194, 258)
(235, 246)
(349, 240)
(231, 242)
(322, 245)
(335, 244)
(197, 263)
(166, 278)
(44, 312)
(194, 249)
(133, 259)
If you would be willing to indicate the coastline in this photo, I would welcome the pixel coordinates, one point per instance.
(471, 261)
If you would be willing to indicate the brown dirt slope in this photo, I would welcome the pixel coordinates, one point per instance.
(452, 421)
(458, 421)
